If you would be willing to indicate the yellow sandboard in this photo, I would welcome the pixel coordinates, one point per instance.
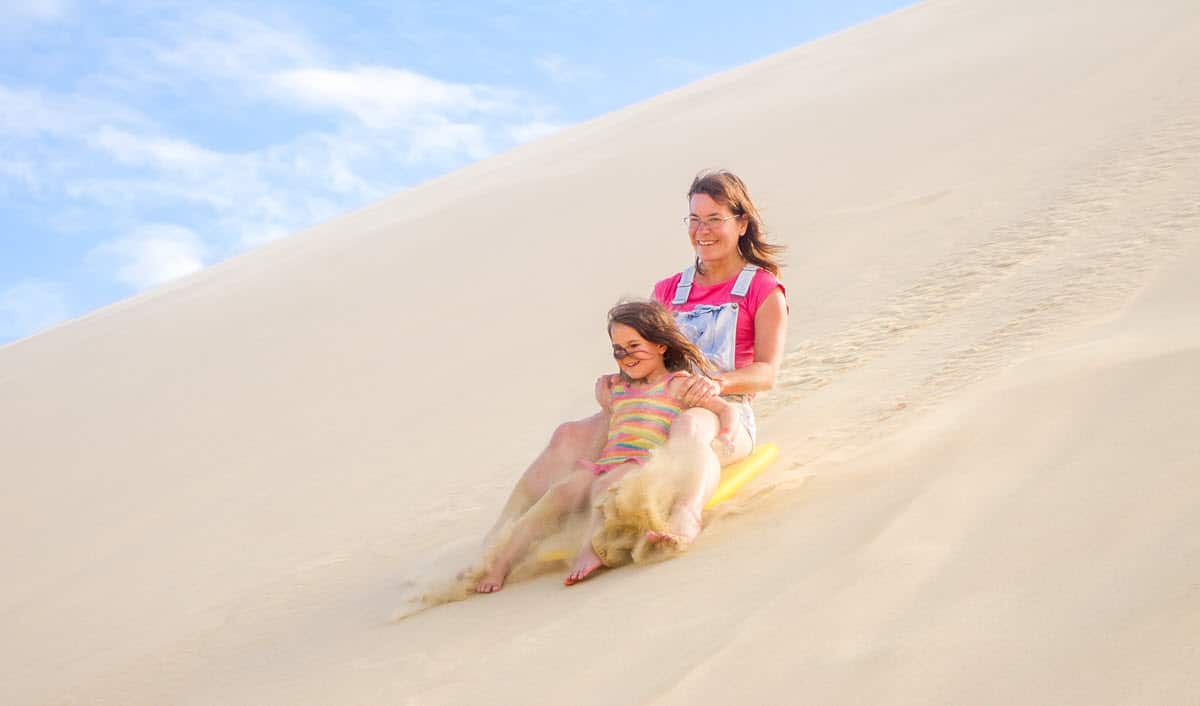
(733, 478)
(736, 475)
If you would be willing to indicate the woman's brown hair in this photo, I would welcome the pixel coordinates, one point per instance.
(654, 323)
(727, 189)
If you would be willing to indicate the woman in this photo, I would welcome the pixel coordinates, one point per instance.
(731, 304)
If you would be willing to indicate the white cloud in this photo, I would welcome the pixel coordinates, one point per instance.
(33, 11)
(154, 254)
(562, 70)
(422, 120)
(22, 172)
(386, 98)
(380, 128)
(330, 161)
(245, 199)
(30, 306)
(270, 217)
(159, 152)
(31, 113)
(157, 190)
(224, 46)
(253, 237)
(434, 142)
(535, 130)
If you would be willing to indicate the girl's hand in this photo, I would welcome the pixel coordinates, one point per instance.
(723, 444)
(604, 385)
(697, 389)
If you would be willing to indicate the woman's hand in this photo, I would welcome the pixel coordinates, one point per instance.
(604, 385)
(695, 390)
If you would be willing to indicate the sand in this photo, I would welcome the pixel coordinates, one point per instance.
(221, 491)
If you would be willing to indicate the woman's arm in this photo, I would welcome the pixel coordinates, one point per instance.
(770, 333)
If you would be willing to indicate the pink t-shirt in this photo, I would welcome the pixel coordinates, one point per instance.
(721, 293)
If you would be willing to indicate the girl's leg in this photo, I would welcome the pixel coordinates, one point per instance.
(570, 443)
(691, 438)
(562, 497)
(586, 562)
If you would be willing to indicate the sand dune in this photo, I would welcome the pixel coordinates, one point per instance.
(220, 491)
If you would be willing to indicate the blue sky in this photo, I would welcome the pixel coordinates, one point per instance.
(142, 141)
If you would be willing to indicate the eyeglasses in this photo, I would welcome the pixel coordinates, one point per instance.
(694, 223)
(620, 354)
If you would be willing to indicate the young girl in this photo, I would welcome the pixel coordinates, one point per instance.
(652, 356)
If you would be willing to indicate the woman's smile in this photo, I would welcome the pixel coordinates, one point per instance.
(713, 230)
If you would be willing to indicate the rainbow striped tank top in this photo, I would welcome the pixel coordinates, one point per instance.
(641, 418)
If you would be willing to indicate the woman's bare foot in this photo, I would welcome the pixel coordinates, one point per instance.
(493, 581)
(683, 527)
(585, 565)
(654, 537)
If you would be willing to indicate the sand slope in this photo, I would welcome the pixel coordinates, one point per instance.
(219, 491)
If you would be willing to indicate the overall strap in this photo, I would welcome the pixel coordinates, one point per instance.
(742, 285)
(684, 288)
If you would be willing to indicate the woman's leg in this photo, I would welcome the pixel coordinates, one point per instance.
(690, 440)
(570, 443)
(537, 522)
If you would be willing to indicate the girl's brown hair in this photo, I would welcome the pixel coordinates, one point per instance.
(654, 323)
(727, 189)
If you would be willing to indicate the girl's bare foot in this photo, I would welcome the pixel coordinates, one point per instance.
(493, 581)
(585, 565)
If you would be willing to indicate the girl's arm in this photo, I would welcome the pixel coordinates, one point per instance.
(727, 417)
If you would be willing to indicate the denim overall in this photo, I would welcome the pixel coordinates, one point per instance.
(713, 328)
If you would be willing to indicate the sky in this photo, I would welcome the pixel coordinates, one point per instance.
(142, 141)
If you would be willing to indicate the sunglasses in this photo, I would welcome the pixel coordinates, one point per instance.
(620, 354)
